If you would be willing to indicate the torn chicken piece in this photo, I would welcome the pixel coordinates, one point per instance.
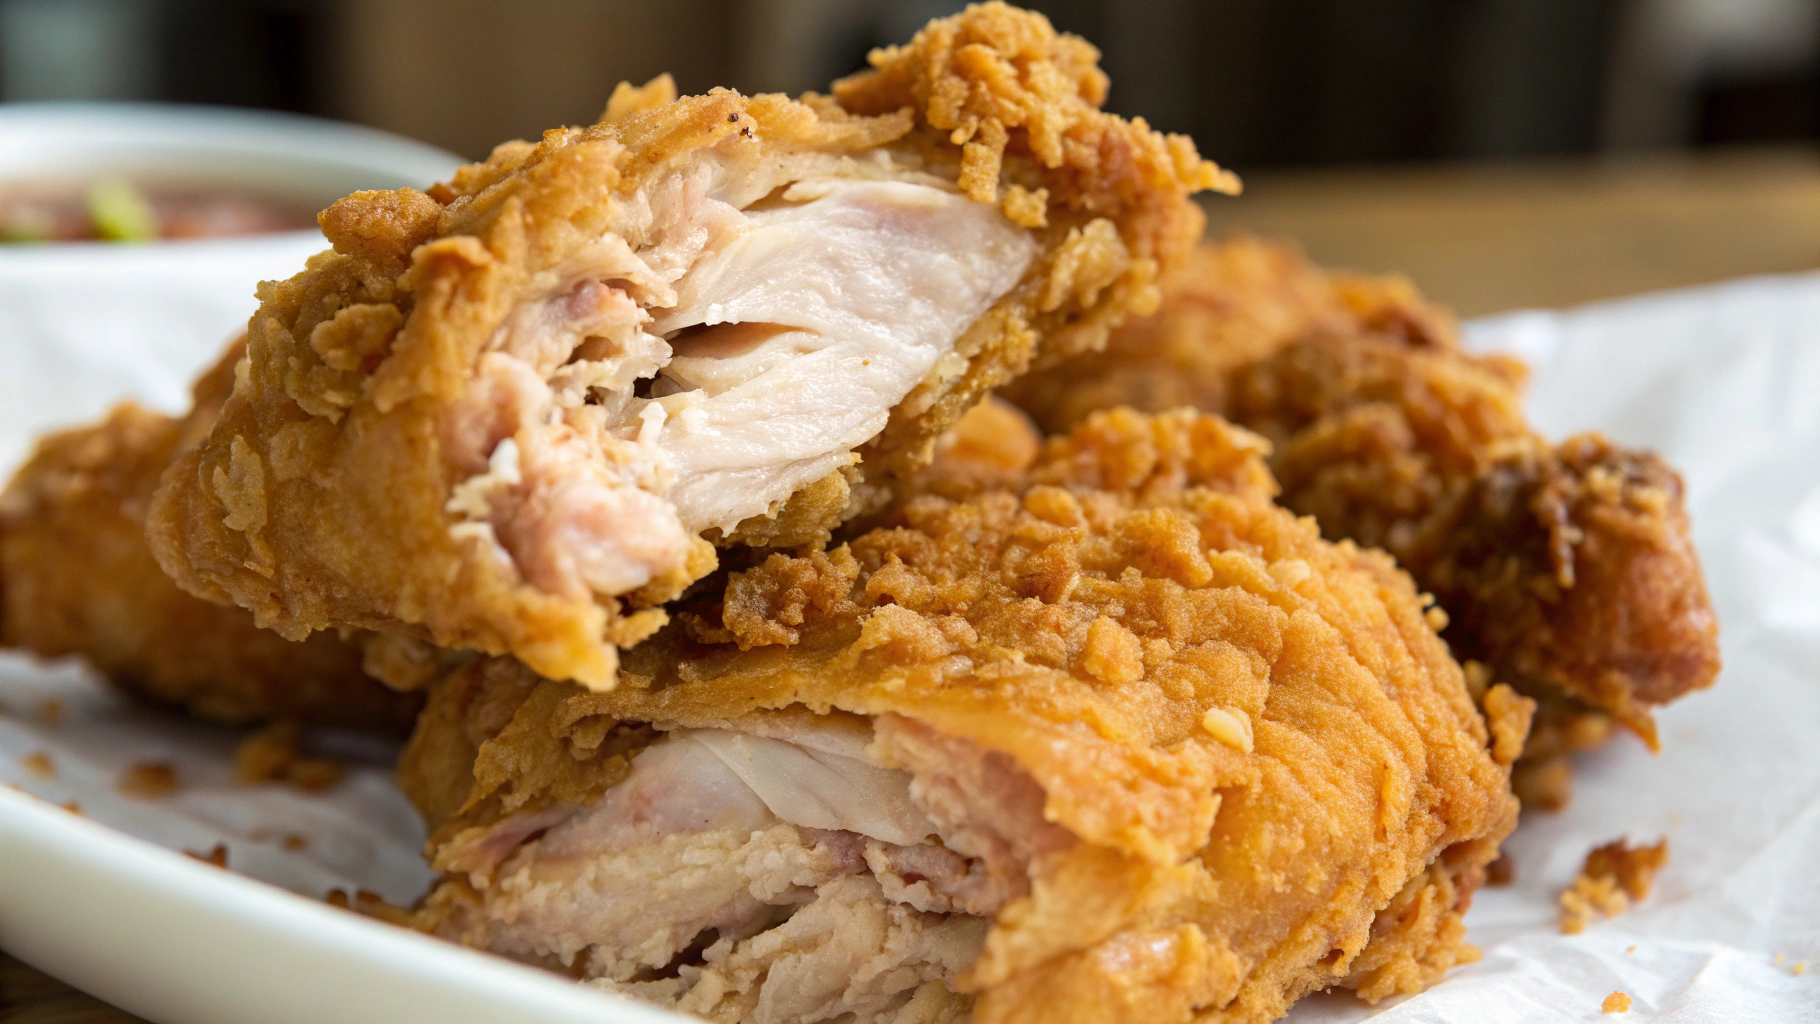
(516, 414)
(1567, 569)
(76, 579)
(1117, 741)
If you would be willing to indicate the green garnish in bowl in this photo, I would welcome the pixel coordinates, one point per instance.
(120, 212)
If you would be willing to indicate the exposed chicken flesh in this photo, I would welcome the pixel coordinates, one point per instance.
(785, 333)
(730, 841)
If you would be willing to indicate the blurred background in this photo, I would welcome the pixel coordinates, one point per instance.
(1374, 130)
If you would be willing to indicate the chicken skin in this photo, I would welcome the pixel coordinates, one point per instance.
(1111, 738)
(1566, 569)
(76, 578)
(517, 413)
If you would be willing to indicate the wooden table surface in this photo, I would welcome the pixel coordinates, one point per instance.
(1479, 238)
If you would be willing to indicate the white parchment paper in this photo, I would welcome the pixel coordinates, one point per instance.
(1725, 381)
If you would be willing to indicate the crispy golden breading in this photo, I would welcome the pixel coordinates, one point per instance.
(360, 474)
(1268, 774)
(76, 578)
(1567, 569)
(1230, 305)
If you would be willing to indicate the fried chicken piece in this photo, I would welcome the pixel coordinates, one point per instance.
(511, 414)
(76, 579)
(1567, 569)
(1122, 742)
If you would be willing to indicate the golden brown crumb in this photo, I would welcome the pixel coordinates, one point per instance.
(1799, 968)
(1615, 876)
(218, 855)
(275, 753)
(51, 711)
(266, 754)
(1502, 871)
(1508, 714)
(295, 842)
(39, 764)
(313, 775)
(72, 806)
(1629, 950)
(1617, 1002)
(148, 780)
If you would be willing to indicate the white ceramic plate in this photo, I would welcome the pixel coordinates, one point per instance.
(177, 941)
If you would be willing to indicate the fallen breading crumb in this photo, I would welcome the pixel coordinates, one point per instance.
(1614, 877)
(148, 780)
(264, 755)
(39, 764)
(313, 775)
(218, 856)
(275, 753)
(1630, 950)
(72, 806)
(1617, 1002)
(295, 842)
(1502, 871)
(52, 712)
(1799, 968)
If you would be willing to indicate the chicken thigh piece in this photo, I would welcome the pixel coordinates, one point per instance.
(76, 579)
(1566, 569)
(516, 414)
(1117, 740)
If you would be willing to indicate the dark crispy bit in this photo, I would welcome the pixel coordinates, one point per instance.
(148, 780)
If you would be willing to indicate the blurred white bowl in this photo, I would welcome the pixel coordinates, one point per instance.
(85, 324)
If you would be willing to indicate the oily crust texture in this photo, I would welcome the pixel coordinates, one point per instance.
(1566, 568)
(76, 579)
(1082, 623)
(319, 498)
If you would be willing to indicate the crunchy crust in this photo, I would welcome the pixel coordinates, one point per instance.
(318, 500)
(1567, 569)
(1085, 622)
(76, 579)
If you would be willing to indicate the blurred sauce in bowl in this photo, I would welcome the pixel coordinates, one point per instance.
(134, 236)
(115, 209)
